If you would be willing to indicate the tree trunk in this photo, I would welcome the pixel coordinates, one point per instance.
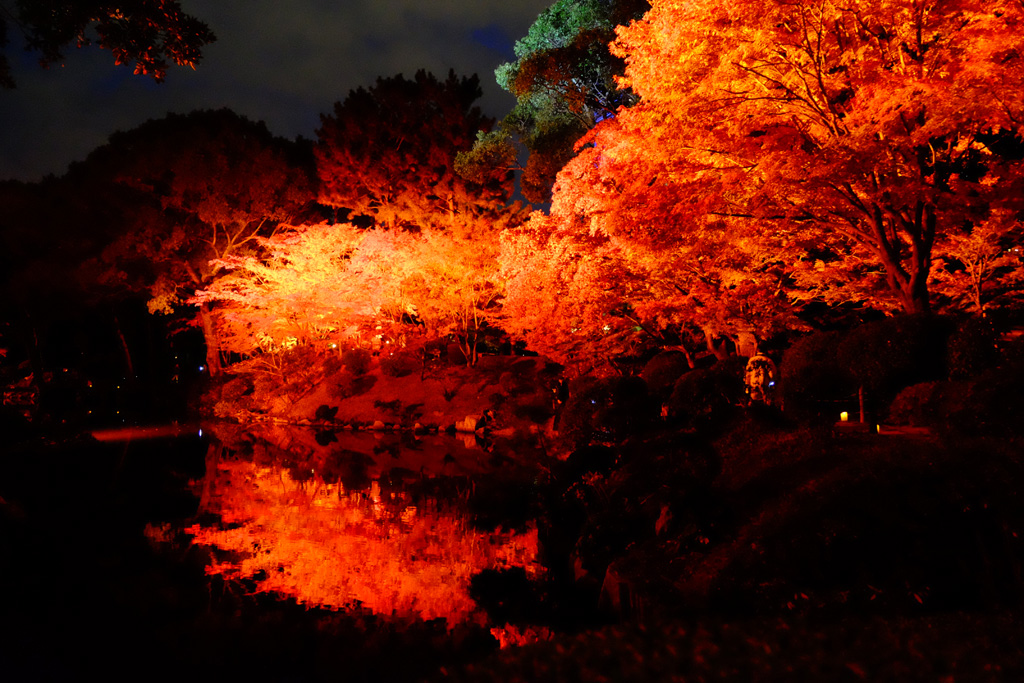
(909, 283)
(719, 348)
(129, 366)
(686, 353)
(212, 343)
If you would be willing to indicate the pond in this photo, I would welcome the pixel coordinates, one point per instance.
(378, 522)
(278, 551)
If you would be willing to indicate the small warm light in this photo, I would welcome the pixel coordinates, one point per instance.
(844, 416)
(878, 429)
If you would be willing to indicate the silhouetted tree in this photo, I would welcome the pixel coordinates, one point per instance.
(147, 33)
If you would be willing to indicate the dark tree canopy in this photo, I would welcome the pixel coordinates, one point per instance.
(211, 183)
(388, 152)
(151, 34)
(564, 81)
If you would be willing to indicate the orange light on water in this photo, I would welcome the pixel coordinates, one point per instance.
(328, 547)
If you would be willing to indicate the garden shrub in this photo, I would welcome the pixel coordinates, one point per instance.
(705, 397)
(972, 348)
(812, 380)
(1011, 356)
(662, 371)
(399, 364)
(331, 364)
(349, 385)
(606, 409)
(264, 386)
(919, 405)
(884, 356)
(236, 388)
(357, 361)
(988, 405)
(535, 407)
(454, 354)
(516, 384)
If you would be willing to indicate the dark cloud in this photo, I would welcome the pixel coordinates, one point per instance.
(284, 63)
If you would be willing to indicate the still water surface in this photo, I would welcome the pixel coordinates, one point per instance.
(370, 521)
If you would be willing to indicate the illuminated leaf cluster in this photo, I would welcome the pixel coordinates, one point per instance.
(783, 153)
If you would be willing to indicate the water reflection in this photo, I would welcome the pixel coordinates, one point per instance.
(373, 522)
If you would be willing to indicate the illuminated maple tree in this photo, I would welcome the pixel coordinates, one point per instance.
(305, 286)
(584, 295)
(453, 281)
(425, 252)
(780, 153)
(981, 267)
(866, 133)
(336, 283)
(221, 181)
(387, 153)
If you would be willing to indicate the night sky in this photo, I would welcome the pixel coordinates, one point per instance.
(284, 63)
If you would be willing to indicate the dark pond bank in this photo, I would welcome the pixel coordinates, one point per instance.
(98, 549)
(772, 553)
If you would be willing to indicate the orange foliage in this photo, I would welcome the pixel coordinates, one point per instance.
(328, 547)
(319, 283)
(330, 284)
(510, 635)
(863, 133)
(781, 152)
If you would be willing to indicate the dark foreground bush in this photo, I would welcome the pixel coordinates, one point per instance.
(987, 405)
(786, 648)
(903, 526)
(357, 361)
(813, 383)
(972, 348)
(706, 397)
(887, 355)
(823, 372)
(399, 364)
(606, 409)
(662, 372)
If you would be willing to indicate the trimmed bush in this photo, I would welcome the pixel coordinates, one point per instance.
(535, 407)
(887, 355)
(706, 397)
(454, 354)
(812, 380)
(357, 361)
(236, 388)
(517, 384)
(662, 372)
(350, 385)
(822, 372)
(919, 405)
(399, 364)
(972, 348)
(606, 409)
